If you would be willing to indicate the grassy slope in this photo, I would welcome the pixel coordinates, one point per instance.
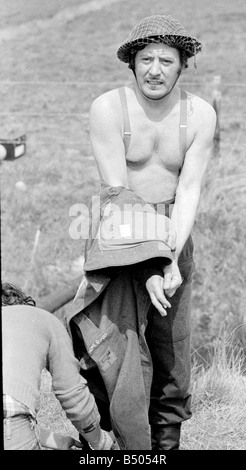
(219, 397)
(58, 172)
(218, 400)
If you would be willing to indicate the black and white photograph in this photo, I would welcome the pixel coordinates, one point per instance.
(123, 228)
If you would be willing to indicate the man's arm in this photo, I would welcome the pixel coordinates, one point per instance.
(106, 140)
(185, 207)
(189, 190)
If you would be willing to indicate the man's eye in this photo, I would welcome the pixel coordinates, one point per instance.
(146, 59)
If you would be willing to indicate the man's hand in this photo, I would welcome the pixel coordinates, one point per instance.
(155, 288)
(172, 278)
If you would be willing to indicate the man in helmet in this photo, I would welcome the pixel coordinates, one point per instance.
(156, 139)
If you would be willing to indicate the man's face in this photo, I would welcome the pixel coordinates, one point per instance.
(157, 68)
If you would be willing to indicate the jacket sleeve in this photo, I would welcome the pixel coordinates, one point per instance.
(69, 386)
(148, 272)
(152, 267)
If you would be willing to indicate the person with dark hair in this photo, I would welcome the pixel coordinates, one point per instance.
(13, 295)
(154, 139)
(34, 339)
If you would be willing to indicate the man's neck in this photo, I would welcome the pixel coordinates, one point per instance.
(157, 109)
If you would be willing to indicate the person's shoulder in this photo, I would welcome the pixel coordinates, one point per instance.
(38, 314)
(49, 322)
(201, 113)
(43, 316)
(105, 111)
(106, 101)
(20, 309)
(200, 106)
(28, 313)
(50, 317)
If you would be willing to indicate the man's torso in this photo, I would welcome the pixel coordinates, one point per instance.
(154, 159)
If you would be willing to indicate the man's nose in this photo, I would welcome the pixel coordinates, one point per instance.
(155, 69)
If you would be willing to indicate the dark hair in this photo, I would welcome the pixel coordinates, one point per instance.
(12, 295)
(132, 55)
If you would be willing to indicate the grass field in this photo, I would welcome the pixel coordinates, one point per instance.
(219, 397)
(55, 61)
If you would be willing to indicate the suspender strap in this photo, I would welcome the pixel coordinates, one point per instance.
(183, 124)
(127, 126)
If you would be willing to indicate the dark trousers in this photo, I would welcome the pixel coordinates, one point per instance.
(168, 339)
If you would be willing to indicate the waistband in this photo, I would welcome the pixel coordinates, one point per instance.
(164, 207)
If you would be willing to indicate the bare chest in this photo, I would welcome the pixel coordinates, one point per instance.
(155, 142)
